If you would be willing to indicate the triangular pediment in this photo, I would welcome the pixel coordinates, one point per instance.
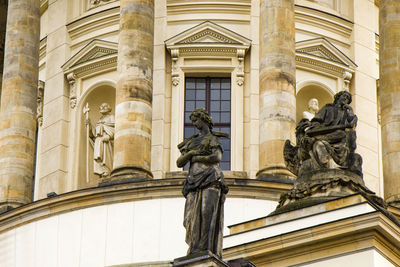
(94, 51)
(322, 49)
(207, 33)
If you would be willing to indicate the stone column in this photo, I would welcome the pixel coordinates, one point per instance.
(3, 22)
(389, 95)
(133, 114)
(277, 85)
(18, 103)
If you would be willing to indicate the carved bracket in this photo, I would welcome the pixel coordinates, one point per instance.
(346, 80)
(240, 70)
(40, 95)
(72, 89)
(175, 70)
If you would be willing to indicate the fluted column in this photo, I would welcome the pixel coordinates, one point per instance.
(18, 103)
(134, 90)
(277, 85)
(389, 88)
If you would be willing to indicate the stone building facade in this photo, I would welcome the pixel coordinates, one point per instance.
(254, 64)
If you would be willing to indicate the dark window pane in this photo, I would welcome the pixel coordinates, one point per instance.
(190, 95)
(215, 84)
(226, 130)
(189, 131)
(225, 166)
(215, 117)
(215, 106)
(226, 156)
(225, 105)
(189, 105)
(200, 94)
(215, 95)
(201, 84)
(190, 83)
(225, 83)
(225, 94)
(225, 117)
(224, 142)
(201, 104)
(187, 120)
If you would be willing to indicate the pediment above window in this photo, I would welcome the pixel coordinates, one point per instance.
(321, 55)
(97, 55)
(207, 38)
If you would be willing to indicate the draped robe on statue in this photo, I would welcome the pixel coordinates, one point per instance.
(103, 146)
(205, 192)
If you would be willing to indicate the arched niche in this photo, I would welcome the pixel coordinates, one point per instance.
(99, 93)
(310, 90)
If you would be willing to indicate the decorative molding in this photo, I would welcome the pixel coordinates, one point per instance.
(205, 40)
(346, 80)
(40, 95)
(97, 3)
(71, 77)
(97, 56)
(240, 70)
(174, 67)
(207, 37)
(322, 56)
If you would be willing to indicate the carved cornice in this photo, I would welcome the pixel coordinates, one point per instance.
(97, 56)
(319, 55)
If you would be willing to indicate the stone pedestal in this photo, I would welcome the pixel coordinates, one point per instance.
(277, 85)
(389, 95)
(18, 103)
(201, 259)
(133, 112)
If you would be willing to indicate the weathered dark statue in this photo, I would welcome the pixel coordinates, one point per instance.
(204, 188)
(324, 158)
(328, 141)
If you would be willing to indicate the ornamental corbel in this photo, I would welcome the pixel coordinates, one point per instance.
(346, 80)
(39, 110)
(72, 89)
(174, 70)
(240, 70)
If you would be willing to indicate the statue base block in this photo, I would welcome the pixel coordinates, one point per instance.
(324, 185)
(200, 259)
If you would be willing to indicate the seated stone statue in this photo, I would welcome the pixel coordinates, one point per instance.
(204, 188)
(327, 141)
(324, 158)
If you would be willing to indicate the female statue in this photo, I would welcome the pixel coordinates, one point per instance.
(204, 188)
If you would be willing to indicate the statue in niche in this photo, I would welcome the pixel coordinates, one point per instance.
(204, 187)
(101, 137)
(324, 157)
(312, 109)
(327, 141)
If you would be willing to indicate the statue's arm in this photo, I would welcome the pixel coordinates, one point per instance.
(184, 158)
(214, 157)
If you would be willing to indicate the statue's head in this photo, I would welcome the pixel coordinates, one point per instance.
(202, 114)
(313, 104)
(105, 108)
(343, 97)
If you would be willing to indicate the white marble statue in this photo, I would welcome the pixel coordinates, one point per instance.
(102, 139)
(312, 109)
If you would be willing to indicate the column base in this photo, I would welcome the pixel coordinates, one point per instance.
(200, 259)
(126, 174)
(276, 174)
